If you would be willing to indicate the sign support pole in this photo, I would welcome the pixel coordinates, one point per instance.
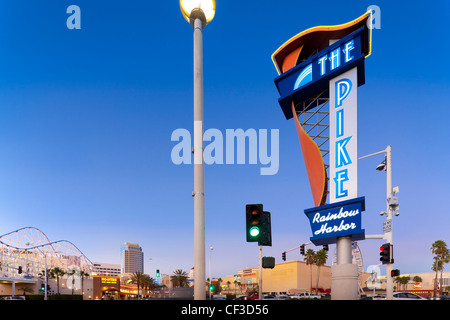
(260, 274)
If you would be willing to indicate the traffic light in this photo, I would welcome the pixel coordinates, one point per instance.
(302, 249)
(42, 287)
(157, 273)
(325, 247)
(253, 217)
(386, 253)
(266, 234)
(211, 288)
(283, 256)
(395, 273)
(20, 269)
(258, 225)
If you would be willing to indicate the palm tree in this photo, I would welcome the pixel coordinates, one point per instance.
(148, 283)
(310, 257)
(82, 275)
(57, 273)
(137, 278)
(439, 248)
(320, 260)
(179, 278)
(26, 289)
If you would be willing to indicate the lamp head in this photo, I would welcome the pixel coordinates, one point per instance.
(381, 166)
(198, 9)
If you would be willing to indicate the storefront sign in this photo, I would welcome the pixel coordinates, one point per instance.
(335, 220)
(109, 280)
(344, 136)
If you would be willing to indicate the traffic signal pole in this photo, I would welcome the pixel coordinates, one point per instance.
(388, 233)
(388, 225)
(260, 274)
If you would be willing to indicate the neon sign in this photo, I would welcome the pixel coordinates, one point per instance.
(312, 76)
(335, 220)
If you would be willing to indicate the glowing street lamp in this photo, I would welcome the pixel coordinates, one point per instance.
(198, 13)
(192, 9)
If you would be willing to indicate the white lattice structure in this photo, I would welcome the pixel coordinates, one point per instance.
(30, 249)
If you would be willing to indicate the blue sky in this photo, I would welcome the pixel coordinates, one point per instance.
(87, 115)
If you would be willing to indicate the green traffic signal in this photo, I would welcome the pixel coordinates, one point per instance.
(258, 225)
(254, 232)
(253, 222)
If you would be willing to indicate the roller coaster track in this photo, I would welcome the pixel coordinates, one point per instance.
(30, 248)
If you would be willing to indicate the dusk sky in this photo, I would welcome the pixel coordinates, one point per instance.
(87, 116)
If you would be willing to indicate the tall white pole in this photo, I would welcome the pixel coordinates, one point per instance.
(388, 235)
(199, 177)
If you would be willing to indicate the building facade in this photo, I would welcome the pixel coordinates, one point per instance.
(131, 258)
(105, 269)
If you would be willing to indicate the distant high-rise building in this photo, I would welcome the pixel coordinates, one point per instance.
(131, 258)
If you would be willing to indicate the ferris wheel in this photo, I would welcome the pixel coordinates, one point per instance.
(356, 259)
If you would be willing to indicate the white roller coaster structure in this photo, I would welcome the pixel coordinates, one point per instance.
(29, 248)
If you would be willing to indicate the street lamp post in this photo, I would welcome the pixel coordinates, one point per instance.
(198, 13)
(391, 206)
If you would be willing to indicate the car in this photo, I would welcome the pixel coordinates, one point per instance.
(400, 296)
(441, 297)
(307, 295)
(283, 297)
(13, 298)
(407, 296)
(269, 297)
(252, 297)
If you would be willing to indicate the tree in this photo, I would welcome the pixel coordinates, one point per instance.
(26, 289)
(137, 278)
(82, 275)
(310, 257)
(57, 273)
(179, 278)
(319, 260)
(148, 282)
(442, 256)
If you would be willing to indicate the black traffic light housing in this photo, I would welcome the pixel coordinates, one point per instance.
(258, 225)
(266, 236)
(302, 249)
(283, 256)
(253, 221)
(395, 273)
(20, 269)
(386, 253)
(158, 274)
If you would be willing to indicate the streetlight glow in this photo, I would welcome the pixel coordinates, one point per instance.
(208, 7)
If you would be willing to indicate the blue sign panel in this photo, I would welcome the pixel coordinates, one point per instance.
(312, 76)
(335, 220)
